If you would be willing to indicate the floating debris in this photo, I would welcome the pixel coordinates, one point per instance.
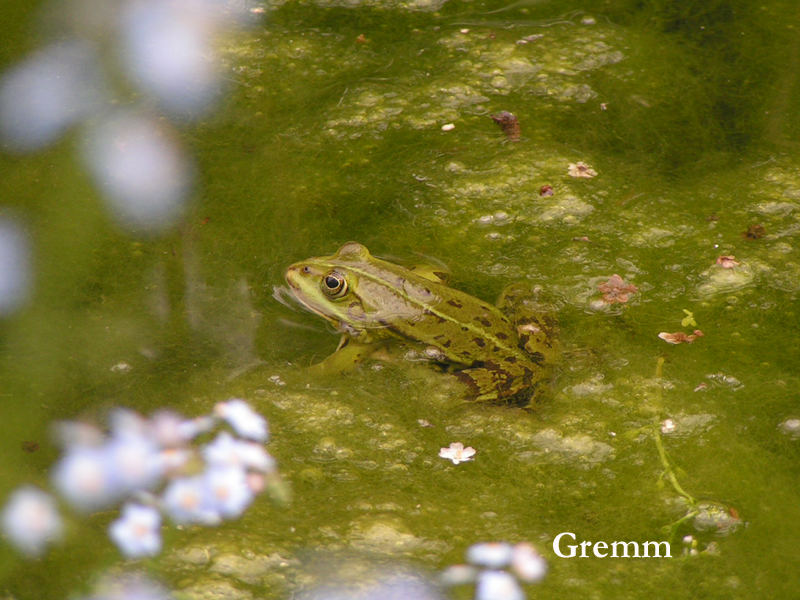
(448, 127)
(581, 169)
(717, 518)
(615, 290)
(680, 337)
(727, 262)
(791, 427)
(667, 426)
(688, 320)
(530, 38)
(727, 380)
(457, 453)
(546, 190)
(754, 232)
(509, 123)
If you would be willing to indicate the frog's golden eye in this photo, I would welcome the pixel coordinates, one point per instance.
(334, 284)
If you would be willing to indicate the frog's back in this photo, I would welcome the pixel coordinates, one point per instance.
(463, 328)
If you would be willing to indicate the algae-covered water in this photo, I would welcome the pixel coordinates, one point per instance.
(369, 121)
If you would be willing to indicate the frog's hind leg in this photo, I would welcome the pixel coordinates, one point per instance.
(489, 383)
(534, 319)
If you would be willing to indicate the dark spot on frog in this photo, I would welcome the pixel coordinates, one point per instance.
(479, 341)
(464, 328)
(483, 321)
(455, 303)
(465, 378)
(429, 313)
(502, 336)
(511, 359)
(537, 357)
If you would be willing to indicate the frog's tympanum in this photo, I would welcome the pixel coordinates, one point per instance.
(501, 352)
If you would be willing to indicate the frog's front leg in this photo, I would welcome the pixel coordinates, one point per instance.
(348, 355)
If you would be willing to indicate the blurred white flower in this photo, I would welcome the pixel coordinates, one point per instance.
(494, 555)
(363, 584)
(84, 477)
(43, 95)
(76, 434)
(169, 429)
(136, 464)
(15, 266)
(188, 500)
(140, 169)
(167, 48)
(457, 453)
(173, 460)
(129, 586)
(244, 420)
(527, 563)
(31, 521)
(227, 451)
(137, 532)
(459, 575)
(498, 585)
(229, 490)
(125, 423)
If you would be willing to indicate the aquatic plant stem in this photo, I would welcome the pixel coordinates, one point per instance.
(669, 471)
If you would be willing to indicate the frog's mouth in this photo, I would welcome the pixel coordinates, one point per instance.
(304, 290)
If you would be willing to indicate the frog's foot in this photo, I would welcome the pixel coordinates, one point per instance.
(348, 356)
(538, 335)
(493, 384)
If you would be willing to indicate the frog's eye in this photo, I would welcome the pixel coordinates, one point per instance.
(334, 284)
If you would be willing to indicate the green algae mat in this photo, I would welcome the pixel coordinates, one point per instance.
(647, 183)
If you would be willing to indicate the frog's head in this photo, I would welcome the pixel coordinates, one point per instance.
(327, 285)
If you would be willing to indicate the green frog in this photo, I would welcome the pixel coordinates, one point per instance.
(500, 352)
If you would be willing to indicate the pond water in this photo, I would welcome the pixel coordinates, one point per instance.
(369, 121)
